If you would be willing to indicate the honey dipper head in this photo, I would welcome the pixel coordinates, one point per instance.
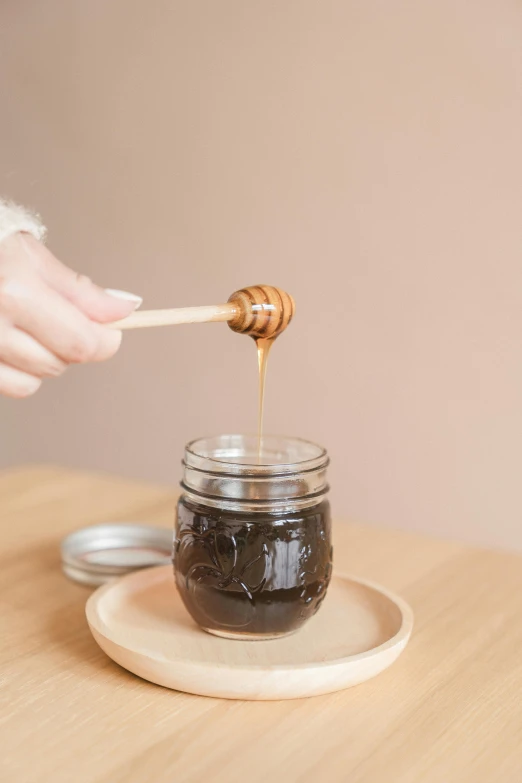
(263, 311)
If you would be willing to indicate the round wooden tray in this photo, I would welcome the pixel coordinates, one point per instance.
(141, 623)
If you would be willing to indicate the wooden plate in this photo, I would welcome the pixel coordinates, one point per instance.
(140, 622)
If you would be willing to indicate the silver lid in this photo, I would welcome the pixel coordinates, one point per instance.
(94, 555)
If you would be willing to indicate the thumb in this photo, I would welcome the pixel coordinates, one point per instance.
(96, 303)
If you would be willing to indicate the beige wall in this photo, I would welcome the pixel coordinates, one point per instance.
(364, 155)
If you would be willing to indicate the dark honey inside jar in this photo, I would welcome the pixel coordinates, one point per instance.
(252, 554)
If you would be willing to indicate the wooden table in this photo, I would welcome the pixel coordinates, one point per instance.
(449, 711)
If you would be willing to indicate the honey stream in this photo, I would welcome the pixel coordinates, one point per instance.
(263, 346)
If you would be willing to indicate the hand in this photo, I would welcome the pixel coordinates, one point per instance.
(50, 316)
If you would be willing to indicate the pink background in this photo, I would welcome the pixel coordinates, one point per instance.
(366, 156)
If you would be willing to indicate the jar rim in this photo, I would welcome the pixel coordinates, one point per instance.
(236, 454)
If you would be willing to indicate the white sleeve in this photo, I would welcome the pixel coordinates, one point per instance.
(14, 218)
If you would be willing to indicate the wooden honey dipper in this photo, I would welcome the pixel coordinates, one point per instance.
(261, 311)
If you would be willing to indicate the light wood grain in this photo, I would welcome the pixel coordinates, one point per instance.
(448, 711)
(176, 316)
(140, 622)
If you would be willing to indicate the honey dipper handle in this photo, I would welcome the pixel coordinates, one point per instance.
(178, 315)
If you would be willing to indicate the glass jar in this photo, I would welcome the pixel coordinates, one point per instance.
(252, 550)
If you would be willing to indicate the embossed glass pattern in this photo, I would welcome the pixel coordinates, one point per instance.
(251, 562)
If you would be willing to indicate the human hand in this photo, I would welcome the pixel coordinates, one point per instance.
(51, 317)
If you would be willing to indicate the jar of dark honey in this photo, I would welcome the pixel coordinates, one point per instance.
(252, 550)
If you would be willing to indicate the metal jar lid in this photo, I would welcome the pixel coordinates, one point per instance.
(94, 555)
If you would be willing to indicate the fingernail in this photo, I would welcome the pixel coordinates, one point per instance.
(128, 297)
